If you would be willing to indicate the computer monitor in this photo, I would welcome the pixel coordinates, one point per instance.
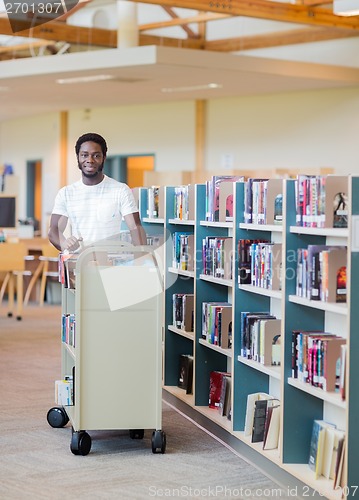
(8, 211)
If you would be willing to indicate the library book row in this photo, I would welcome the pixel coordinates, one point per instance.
(258, 276)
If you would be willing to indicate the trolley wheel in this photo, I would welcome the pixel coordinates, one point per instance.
(57, 417)
(80, 443)
(158, 441)
(137, 433)
(19, 318)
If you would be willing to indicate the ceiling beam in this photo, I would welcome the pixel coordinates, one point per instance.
(190, 33)
(278, 39)
(186, 43)
(313, 2)
(202, 31)
(288, 37)
(25, 46)
(183, 20)
(264, 9)
(59, 31)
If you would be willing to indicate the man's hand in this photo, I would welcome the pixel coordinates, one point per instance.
(72, 244)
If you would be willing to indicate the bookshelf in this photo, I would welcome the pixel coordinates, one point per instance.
(153, 225)
(250, 376)
(301, 403)
(177, 341)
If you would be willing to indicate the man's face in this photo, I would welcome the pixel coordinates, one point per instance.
(90, 159)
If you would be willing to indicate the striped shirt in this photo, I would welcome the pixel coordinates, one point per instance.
(95, 212)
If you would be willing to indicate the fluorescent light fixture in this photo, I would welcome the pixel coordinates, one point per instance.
(85, 79)
(346, 7)
(191, 88)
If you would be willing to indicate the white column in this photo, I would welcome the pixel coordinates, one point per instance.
(127, 30)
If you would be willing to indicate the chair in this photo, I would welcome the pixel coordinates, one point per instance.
(50, 255)
(47, 268)
(12, 262)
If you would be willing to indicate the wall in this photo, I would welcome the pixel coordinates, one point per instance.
(33, 138)
(165, 130)
(297, 130)
(292, 130)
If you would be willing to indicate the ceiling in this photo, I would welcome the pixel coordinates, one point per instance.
(167, 68)
(152, 74)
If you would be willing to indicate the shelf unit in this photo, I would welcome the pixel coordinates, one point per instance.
(176, 341)
(300, 402)
(153, 226)
(251, 376)
(303, 402)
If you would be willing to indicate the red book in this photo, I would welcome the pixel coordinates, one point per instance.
(215, 387)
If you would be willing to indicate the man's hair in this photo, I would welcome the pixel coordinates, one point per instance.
(91, 137)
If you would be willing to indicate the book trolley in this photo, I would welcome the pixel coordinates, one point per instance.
(111, 345)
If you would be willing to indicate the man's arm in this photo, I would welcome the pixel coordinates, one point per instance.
(56, 235)
(138, 234)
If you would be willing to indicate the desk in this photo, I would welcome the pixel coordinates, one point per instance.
(34, 244)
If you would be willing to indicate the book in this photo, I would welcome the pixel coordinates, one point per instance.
(314, 279)
(340, 210)
(223, 333)
(251, 399)
(185, 373)
(341, 285)
(339, 465)
(247, 326)
(261, 407)
(278, 209)
(342, 376)
(331, 363)
(225, 397)
(269, 341)
(317, 445)
(153, 202)
(330, 451)
(213, 197)
(215, 387)
(272, 428)
(259, 419)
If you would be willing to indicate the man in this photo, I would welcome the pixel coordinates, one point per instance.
(95, 204)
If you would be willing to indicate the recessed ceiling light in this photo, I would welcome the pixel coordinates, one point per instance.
(85, 79)
(191, 88)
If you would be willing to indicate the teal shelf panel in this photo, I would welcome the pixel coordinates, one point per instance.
(175, 346)
(247, 381)
(300, 411)
(353, 351)
(207, 360)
